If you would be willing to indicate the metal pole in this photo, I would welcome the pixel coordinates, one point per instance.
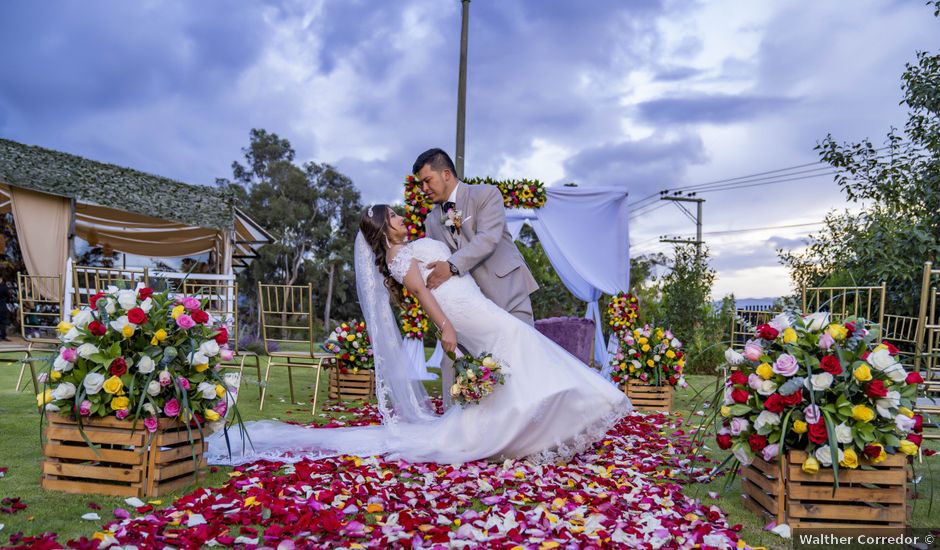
(698, 231)
(462, 88)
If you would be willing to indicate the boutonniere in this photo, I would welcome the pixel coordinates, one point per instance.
(454, 219)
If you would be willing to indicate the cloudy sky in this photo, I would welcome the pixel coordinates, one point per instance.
(642, 94)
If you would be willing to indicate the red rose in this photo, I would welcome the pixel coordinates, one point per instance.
(914, 378)
(724, 441)
(850, 327)
(831, 364)
(876, 389)
(775, 403)
(918, 423)
(891, 347)
(872, 451)
(118, 367)
(739, 395)
(818, 433)
(137, 316)
(144, 293)
(767, 332)
(97, 328)
(915, 439)
(200, 316)
(739, 378)
(794, 398)
(222, 337)
(673, 380)
(865, 355)
(93, 301)
(757, 442)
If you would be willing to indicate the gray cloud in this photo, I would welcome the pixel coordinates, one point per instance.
(711, 108)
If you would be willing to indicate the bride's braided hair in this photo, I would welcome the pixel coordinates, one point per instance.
(374, 227)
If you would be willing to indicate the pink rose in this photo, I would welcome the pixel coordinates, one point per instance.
(812, 414)
(121, 414)
(85, 408)
(786, 365)
(226, 354)
(826, 341)
(43, 377)
(221, 407)
(172, 408)
(738, 425)
(165, 378)
(183, 382)
(151, 423)
(185, 322)
(754, 381)
(69, 354)
(770, 452)
(753, 350)
(190, 303)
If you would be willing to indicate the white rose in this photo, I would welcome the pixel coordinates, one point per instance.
(675, 343)
(52, 407)
(728, 400)
(887, 405)
(145, 365)
(198, 359)
(733, 358)
(824, 455)
(83, 318)
(896, 373)
(93, 382)
(489, 362)
(146, 305)
(148, 408)
(127, 299)
(120, 323)
(71, 335)
(109, 306)
(65, 390)
(843, 434)
(61, 365)
(767, 387)
(86, 350)
(207, 390)
(818, 382)
(766, 418)
(780, 322)
(153, 388)
(743, 455)
(881, 359)
(209, 348)
(816, 321)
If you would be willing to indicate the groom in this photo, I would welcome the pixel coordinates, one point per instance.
(471, 221)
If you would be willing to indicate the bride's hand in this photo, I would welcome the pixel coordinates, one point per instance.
(448, 338)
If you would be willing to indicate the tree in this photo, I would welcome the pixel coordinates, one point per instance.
(898, 187)
(645, 285)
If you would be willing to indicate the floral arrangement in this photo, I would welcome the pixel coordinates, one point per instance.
(522, 193)
(417, 206)
(652, 356)
(476, 377)
(352, 346)
(827, 388)
(622, 311)
(139, 355)
(414, 321)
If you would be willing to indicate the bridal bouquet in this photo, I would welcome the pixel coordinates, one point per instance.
(139, 355)
(352, 346)
(652, 356)
(476, 377)
(830, 389)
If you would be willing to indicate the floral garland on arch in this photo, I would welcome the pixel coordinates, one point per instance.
(524, 193)
(414, 321)
(830, 389)
(622, 311)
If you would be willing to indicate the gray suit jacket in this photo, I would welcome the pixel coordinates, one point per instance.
(484, 247)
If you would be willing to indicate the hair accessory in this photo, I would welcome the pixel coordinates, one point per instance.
(369, 211)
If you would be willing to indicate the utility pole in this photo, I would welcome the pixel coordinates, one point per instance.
(462, 88)
(697, 218)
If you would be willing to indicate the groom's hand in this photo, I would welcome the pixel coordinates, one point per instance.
(440, 273)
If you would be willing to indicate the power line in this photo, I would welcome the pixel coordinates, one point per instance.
(752, 229)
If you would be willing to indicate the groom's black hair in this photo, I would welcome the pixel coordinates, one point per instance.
(438, 160)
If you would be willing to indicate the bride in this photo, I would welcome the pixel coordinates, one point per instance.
(551, 406)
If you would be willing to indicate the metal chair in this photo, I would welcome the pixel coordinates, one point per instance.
(927, 349)
(842, 302)
(89, 280)
(287, 319)
(221, 300)
(39, 314)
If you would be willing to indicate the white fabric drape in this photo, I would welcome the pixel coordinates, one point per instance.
(584, 233)
(414, 354)
(42, 229)
(435, 361)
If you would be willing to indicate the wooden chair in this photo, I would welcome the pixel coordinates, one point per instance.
(842, 302)
(221, 301)
(39, 316)
(89, 280)
(287, 319)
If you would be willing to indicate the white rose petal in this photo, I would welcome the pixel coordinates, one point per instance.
(766, 418)
(119, 323)
(61, 365)
(145, 365)
(198, 359)
(896, 373)
(148, 408)
(767, 387)
(65, 390)
(71, 335)
(110, 306)
(146, 305)
(780, 322)
(91, 516)
(51, 407)
(207, 390)
(209, 348)
(153, 388)
(733, 357)
(824, 455)
(816, 321)
(743, 455)
(819, 382)
(84, 317)
(93, 382)
(127, 299)
(881, 359)
(86, 350)
(887, 405)
(843, 434)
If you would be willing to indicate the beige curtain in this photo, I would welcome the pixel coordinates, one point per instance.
(42, 228)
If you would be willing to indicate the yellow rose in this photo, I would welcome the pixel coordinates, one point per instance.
(671, 354)
(643, 340)
(862, 373)
(765, 371)
(811, 466)
(120, 403)
(63, 327)
(906, 412)
(645, 348)
(849, 459)
(881, 455)
(649, 363)
(681, 363)
(632, 369)
(44, 397)
(879, 347)
(350, 337)
(177, 311)
(799, 427)
(202, 367)
(211, 415)
(862, 413)
(158, 337)
(219, 390)
(725, 411)
(908, 447)
(789, 336)
(113, 385)
(127, 331)
(55, 375)
(838, 332)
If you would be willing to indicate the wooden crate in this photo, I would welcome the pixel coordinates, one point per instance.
(346, 385)
(869, 498)
(647, 397)
(126, 463)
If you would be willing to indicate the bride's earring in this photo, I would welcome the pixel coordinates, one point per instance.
(387, 242)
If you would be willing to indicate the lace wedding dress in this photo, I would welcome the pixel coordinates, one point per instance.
(551, 406)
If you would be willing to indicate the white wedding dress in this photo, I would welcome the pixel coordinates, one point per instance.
(551, 406)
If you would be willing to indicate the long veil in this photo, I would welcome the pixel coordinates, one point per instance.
(403, 402)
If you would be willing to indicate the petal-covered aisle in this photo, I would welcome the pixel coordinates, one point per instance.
(626, 492)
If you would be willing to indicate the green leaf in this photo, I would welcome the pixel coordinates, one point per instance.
(740, 409)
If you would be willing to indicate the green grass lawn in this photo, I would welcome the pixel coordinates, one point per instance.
(21, 453)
